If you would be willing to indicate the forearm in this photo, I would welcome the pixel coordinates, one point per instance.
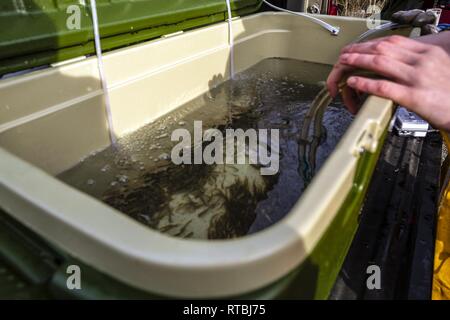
(442, 40)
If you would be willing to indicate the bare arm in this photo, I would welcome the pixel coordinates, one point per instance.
(441, 39)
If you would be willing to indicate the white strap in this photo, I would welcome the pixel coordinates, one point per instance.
(230, 39)
(98, 50)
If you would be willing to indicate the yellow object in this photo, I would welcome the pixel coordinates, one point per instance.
(441, 277)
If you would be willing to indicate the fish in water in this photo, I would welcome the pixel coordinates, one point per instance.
(195, 201)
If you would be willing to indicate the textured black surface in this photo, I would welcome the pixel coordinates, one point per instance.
(397, 224)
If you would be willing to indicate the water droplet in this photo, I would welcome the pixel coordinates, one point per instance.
(164, 135)
(90, 182)
(122, 178)
(105, 168)
(164, 156)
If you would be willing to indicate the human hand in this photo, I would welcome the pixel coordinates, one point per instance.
(417, 18)
(417, 76)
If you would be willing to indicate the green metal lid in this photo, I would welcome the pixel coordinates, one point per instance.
(40, 32)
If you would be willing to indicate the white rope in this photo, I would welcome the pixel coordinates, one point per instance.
(230, 39)
(334, 30)
(101, 69)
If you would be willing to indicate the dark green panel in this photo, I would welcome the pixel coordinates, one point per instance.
(36, 33)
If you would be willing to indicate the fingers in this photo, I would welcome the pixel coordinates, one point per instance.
(423, 19)
(396, 47)
(384, 48)
(429, 29)
(406, 17)
(381, 65)
(398, 41)
(337, 74)
(382, 88)
(415, 18)
(350, 99)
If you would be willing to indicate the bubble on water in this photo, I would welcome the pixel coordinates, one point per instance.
(164, 156)
(164, 135)
(113, 184)
(144, 217)
(142, 168)
(181, 123)
(105, 168)
(121, 162)
(90, 182)
(122, 178)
